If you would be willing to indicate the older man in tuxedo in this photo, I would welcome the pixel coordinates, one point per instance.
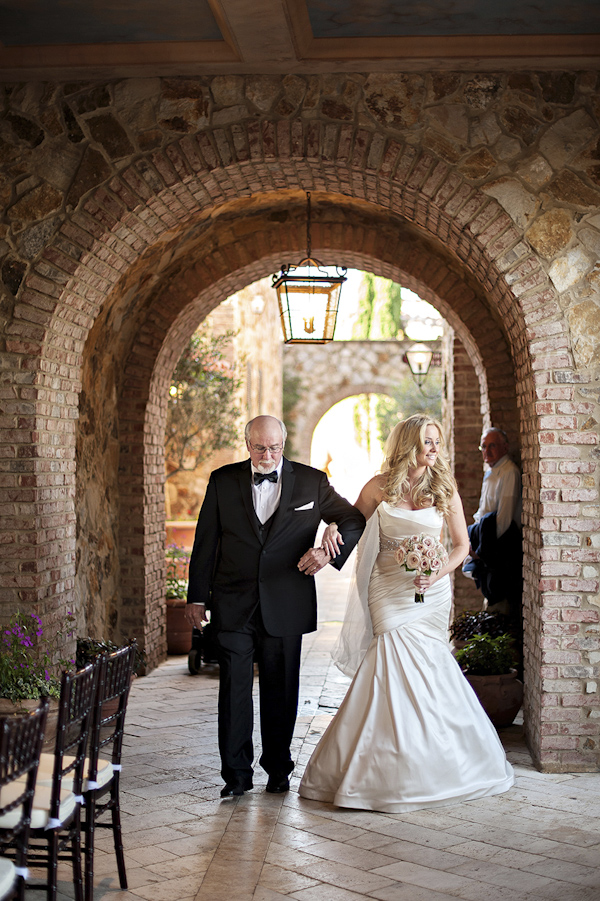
(250, 566)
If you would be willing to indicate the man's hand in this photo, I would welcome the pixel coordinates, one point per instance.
(313, 561)
(195, 615)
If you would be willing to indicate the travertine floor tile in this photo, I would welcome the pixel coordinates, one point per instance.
(538, 842)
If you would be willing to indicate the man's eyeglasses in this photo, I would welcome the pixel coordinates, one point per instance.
(487, 446)
(260, 449)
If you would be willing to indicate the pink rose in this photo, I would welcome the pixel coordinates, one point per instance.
(413, 560)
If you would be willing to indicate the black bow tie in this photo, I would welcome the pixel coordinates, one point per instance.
(264, 476)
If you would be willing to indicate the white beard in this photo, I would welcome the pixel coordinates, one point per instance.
(265, 467)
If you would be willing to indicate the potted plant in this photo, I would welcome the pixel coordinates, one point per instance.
(88, 649)
(27, 667)
(489, 665)
(179, 631)
(477, 622)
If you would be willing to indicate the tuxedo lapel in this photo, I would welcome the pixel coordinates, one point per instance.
(287, 486)
(246, 492)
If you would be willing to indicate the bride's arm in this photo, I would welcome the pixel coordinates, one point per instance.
(368, 500)
(457, 527)
(371, 496)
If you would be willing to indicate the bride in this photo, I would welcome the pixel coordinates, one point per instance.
(410, 732)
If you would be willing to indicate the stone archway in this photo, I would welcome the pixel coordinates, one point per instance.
(140, 259)
(331, 372)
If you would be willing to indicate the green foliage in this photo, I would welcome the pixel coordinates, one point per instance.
(178, 561)
(88, 649)
(379, 315)
(379, 309)
(366, 310)
(478, 622)
(202, 415)
(291, 396)
(406, 399)
(487, 656)
(27, 658)
(390, 317)
(362, 420)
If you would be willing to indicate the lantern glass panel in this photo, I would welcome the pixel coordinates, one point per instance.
(308, 308)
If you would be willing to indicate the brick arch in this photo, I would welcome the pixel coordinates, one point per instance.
(177, 228)
(188, 290)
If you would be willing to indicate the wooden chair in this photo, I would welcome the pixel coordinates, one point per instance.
(8, 879)
(103, 773)
(56, 821)
(21, 739)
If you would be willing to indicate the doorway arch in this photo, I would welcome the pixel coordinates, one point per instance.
(146, 256)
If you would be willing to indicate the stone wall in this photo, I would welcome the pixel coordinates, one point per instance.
(256, 352)
(132, 208)
(328, 373)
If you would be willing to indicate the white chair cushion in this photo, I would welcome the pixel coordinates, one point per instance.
(46, 768)
(41, 805)
(7, 876)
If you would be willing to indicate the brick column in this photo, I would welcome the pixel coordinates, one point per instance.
(468, 467)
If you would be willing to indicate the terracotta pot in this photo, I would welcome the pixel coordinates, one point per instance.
(500, 696)
(16, 708)
(179, 631)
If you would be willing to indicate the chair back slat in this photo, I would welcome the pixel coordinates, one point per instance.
(21, 739)
(76, 703)
(108, 720)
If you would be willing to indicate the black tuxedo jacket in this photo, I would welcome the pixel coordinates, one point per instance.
(231, 569)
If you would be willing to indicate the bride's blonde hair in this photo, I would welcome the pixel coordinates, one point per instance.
(436, 486)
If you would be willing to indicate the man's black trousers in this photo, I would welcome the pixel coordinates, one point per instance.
(278, 662)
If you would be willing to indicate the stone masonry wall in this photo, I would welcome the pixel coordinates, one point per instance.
(329, 373)
(132, 208)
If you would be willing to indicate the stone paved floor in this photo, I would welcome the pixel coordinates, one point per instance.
(541, 840)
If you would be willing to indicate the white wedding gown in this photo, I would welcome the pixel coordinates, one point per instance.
(410, 732)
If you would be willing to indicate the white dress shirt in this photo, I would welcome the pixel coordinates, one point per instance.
(501, 494)
(266, 496)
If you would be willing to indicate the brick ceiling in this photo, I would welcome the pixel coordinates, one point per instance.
(58, 39)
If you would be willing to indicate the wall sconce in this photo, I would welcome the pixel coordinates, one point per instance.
(308, 296)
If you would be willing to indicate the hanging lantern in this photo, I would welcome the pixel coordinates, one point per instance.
(419, 359)
(308, 297)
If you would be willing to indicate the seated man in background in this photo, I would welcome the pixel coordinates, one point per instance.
(495, 558)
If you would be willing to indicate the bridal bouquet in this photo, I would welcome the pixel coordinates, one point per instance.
(421, 554)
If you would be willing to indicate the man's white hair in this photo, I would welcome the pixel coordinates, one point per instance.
(492, 428)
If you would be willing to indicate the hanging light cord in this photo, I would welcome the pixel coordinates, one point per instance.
(308, 244)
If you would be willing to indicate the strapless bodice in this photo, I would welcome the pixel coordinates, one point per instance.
(391, 588)
(397, 523)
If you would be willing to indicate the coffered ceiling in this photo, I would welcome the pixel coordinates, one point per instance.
(104, 38)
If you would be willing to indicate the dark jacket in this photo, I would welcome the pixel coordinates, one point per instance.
(231, 569)
(498, 566)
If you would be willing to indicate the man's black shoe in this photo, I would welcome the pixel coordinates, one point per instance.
(235, 788)
(278, 784)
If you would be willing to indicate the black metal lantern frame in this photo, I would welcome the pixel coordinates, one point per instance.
(308, 296)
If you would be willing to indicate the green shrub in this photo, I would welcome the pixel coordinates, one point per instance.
(487, 656)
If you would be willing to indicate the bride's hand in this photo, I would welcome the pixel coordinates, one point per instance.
(332, 540)
(423, 582)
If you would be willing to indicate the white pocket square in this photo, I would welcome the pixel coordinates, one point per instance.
(305, 507)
